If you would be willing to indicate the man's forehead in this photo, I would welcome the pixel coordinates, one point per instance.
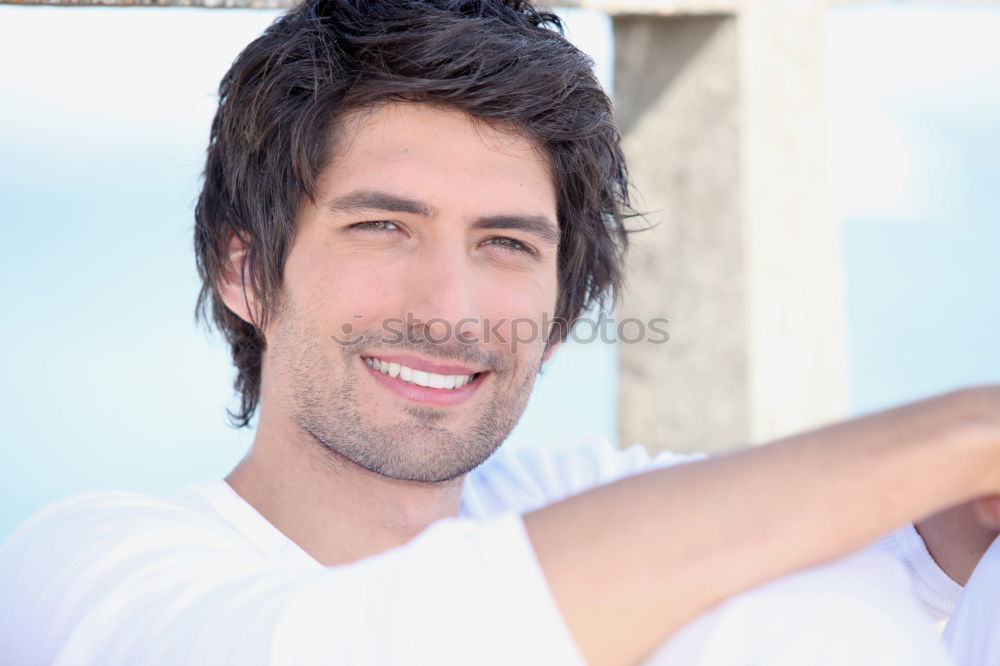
(389, 148)
(417, 117)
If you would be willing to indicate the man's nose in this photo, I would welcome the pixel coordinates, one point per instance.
(443, 297)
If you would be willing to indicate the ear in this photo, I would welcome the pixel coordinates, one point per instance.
(234, 287)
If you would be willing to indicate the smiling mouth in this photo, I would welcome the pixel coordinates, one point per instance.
(420, 377)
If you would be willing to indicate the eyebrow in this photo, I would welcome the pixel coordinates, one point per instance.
(377, 200)
(540, 226)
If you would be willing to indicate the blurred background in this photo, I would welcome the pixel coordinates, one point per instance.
(108, 383)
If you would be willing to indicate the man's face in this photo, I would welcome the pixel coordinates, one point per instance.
(395, 345)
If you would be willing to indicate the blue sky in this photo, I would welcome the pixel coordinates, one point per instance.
(915, 154)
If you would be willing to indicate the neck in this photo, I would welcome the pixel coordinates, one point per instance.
(335, 510)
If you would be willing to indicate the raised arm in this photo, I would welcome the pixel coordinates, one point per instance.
(631, 562)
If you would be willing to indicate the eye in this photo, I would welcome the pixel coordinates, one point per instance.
(509, 245)
(378, 226)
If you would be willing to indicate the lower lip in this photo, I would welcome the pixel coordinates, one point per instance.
(425, 394)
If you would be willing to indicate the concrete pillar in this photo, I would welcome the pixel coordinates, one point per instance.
(723, 117)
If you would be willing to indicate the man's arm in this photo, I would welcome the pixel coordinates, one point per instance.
(629, 563)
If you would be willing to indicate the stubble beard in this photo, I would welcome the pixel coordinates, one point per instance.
(324, 404)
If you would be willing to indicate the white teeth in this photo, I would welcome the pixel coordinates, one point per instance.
(419, 377)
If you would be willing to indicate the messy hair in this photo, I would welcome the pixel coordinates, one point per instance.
(501, 61)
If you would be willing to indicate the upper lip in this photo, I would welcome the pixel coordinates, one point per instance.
(417, 363)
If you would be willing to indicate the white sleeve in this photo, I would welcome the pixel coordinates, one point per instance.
(931, 586)
(130, 580)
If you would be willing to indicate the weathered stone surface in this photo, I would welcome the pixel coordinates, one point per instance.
(676, 88)
(725, 134)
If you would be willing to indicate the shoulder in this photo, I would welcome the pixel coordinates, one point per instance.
(94, 551)
(108, 516)
(102, 534)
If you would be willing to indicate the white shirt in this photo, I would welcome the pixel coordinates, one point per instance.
(202, 578)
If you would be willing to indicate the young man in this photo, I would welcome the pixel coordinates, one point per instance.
(392, 187)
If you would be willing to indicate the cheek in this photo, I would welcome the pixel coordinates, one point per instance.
(521, 314)
(349, 290)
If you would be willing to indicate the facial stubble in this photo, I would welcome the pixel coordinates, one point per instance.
(325, 403)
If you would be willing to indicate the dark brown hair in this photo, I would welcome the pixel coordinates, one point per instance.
(500, 61)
